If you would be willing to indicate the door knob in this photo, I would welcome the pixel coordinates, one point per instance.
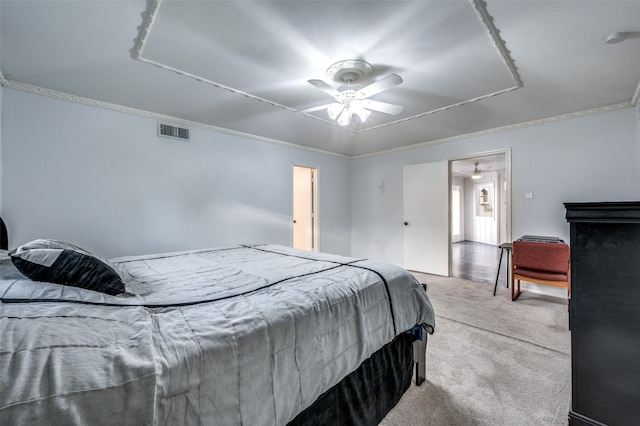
(406, 223)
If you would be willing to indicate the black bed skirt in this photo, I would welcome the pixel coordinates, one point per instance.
(366, 395)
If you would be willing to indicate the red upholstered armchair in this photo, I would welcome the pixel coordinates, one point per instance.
(540, 262)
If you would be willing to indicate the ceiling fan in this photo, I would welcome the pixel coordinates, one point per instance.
(353, 100)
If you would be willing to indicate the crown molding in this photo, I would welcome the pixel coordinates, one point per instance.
(516, 126)
(145, 29)
(500, 45)
(155, 116)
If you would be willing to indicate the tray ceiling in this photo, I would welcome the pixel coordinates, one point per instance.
(242, 66)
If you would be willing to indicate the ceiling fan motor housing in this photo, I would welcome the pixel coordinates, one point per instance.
(349, 71)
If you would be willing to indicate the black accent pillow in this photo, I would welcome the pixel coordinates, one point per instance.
(62, 263)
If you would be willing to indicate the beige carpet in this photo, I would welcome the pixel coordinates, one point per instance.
(491, 361)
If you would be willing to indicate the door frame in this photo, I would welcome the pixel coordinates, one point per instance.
(314, 201)
(461, 207)
(507, 159)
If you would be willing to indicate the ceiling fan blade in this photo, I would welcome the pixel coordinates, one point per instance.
(378, 86)
(324, 87)
(381, 106)
(317, 108)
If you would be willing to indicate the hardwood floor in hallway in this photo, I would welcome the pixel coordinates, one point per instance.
(478, 262)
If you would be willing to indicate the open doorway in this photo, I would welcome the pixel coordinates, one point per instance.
(480, 214)
(304, 223)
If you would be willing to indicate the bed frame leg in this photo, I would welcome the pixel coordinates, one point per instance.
(420, 357)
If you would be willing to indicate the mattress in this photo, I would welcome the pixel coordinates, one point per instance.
(226, 336)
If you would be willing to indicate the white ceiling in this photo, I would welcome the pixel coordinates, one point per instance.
(468, 66)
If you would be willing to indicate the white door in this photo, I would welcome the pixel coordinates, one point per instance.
(304, 208)
(426, 217)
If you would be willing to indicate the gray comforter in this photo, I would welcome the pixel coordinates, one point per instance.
(242, 335)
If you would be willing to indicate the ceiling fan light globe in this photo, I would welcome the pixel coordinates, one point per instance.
(345, 117)
(334, 110)
(476, 173)
(362, 113)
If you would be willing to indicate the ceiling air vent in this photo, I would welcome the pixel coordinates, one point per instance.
(169, 131)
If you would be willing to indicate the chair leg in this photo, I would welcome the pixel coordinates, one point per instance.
(515, 293)
(498, 274)
(511, 264)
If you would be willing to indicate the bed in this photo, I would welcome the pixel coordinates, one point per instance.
(250, 334)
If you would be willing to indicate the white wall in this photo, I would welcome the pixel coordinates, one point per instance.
(103, 180)
(1, 150)
(591, 158)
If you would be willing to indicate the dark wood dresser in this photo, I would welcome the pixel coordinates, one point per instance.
(604, 313)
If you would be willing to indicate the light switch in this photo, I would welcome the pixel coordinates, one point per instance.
(528, 194)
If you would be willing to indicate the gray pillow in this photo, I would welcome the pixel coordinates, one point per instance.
(62, 263)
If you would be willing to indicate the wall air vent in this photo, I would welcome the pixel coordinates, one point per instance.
(169, 131)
